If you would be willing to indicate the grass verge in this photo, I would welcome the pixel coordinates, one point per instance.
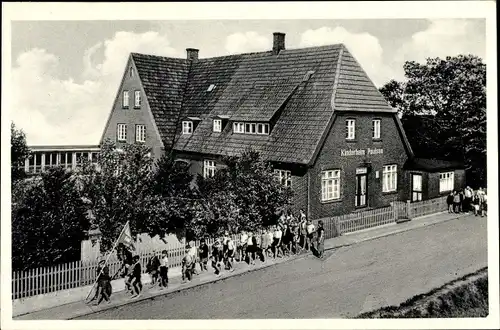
(464, 297)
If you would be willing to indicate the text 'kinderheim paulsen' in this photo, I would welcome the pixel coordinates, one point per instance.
(361, 152)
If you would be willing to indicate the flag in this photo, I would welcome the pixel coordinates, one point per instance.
(126, 238)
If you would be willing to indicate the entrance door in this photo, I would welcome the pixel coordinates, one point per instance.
(416, 187)
(361, 179)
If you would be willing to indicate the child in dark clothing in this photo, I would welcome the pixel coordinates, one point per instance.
(135, 280)
(203, 255)
(449, 201)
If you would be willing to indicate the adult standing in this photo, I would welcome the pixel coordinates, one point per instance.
(456, 202)
(467, 199)
(302, 229)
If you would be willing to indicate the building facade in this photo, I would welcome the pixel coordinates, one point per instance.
(312, 112)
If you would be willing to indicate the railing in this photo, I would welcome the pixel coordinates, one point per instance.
(76, 274)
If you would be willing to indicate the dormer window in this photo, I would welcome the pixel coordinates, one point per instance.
(251, 128)
(218, 125)
(308, 75)
(187, 127)
(211, 88)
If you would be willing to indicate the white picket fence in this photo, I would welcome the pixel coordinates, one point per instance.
(80, 273)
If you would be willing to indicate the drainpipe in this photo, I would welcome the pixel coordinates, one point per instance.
(308, 194)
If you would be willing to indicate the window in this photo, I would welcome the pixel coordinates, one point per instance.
(125, 99)
(350, 133)
(217, 125)
(284, 177)
(137, 99)
(187, 127)
(446, 181)
(376, 128)
(140, 133)
(121, 132)
(208, 168)
(238, 128)
(416, 187)
(251, 128)
(131, 71)
(390, 178)
(211, 88)
(330, 185)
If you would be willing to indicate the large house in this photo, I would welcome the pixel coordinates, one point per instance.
(313, 112)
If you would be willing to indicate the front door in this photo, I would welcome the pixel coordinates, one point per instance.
(416, 187)
(361, 176)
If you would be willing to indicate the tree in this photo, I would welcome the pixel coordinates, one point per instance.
(18, 153)
(243, 195)
(443, 106)
(48, 221)
(119, 189)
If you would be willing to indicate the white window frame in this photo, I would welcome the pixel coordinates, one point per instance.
(121, 132)
(239, 128)
(330, 185)
(376, 129)
(390, 178)
(446, 181)
(208, 168)
(140, 133)
(126, 99)
(137, 99)
(350, 129)
(218, 125)
(284, 177)
(187, 127)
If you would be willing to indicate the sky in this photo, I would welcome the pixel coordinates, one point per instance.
(65, 74)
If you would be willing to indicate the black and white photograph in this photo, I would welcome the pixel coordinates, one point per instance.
(279, 165)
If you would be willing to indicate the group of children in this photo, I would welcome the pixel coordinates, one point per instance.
(468, 200)
(289, 236)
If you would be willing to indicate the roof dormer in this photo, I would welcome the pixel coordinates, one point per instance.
(189, 124)
(219, 123)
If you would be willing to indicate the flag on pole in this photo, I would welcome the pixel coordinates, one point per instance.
(126, 238)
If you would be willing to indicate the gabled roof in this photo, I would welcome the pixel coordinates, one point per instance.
(258, 87)
(164, 80)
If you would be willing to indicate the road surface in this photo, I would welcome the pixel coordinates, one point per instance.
(349, 281)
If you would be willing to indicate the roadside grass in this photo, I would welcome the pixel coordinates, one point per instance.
(464, 297)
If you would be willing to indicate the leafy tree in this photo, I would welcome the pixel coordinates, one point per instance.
(443, 106)
(18, 153)
(172, 187)
(48, 221)
(118, 189)
(243, 195)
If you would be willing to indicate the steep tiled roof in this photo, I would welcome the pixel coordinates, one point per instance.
(164, 80)
(259, 87)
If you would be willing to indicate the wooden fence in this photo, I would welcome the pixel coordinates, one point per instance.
(81, 273)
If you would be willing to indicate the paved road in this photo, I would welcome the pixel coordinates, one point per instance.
(350, 280)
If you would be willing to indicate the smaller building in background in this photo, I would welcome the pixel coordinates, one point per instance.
(67, 156)
(431, 178)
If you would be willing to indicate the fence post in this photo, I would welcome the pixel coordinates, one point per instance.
(408, 210)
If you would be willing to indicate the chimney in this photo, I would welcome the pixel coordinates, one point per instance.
(192, 54)
(278, 42)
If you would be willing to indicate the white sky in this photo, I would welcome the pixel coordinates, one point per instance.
(65, 74)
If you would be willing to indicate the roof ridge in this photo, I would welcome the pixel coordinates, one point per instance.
(341, 45)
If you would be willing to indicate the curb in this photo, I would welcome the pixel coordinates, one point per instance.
(191, 286)
(90, 310)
